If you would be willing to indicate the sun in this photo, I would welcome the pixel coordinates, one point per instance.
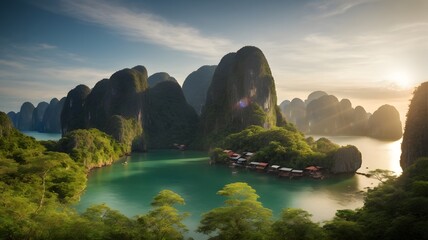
(400, 79)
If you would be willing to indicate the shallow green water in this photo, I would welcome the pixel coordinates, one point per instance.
(130, 188)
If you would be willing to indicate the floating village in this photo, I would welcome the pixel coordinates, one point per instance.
(243, 160)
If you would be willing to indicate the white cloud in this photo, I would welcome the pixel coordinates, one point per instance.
(12, 64)
(143, 26)
(330, 8)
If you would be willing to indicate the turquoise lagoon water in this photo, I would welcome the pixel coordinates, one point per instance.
(130, 188)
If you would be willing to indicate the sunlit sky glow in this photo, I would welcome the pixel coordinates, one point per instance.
(370, 51)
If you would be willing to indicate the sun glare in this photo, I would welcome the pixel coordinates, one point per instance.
(400, 79)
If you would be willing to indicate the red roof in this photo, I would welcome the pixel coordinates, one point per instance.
(312, 168)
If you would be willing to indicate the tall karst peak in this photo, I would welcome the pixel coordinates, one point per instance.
(415, 138)
(242, 93)
(159, 77)
(196, 85)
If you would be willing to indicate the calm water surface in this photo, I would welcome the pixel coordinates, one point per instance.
(130, 188)
(42, 136)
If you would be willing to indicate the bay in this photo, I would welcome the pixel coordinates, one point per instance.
(130, 188)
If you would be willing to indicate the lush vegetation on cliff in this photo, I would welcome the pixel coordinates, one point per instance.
(91, 148)
(288, 147)
(415, 138)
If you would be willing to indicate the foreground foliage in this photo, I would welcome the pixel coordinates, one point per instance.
(242, 217)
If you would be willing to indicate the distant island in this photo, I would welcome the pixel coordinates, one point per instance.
(323, 114)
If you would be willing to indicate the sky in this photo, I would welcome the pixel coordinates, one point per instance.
(372, 52)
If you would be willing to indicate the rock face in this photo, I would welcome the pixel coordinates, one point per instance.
(159, 77)
(415, 138)
(39, 111)
(44, 118)
(113, 106)
(325, 114)
(242, 93)
(346, 160)
(322, 115)
(52, 118)
(385, 123)
(134, 114)
(168, 118)
(295, 112)
(314, 96)
(72, 115)
(283, 106)
(13, 117)
(25, 118)
(120, 95)
(196, 85)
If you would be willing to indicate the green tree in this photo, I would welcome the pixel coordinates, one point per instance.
(164, 221)
(242, 217)
(344, 226)
(382, 175)
(295, 224)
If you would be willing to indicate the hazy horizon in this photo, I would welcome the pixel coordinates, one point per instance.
(372, 52)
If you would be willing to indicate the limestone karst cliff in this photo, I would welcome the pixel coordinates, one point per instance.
(52, 118)
(37, 118)
(346, 159)
(324, 114)
(242, 93)
(72, 115)
(156, 78)
(168, 118)
(195, 86)
(385, 123)
(415, 138)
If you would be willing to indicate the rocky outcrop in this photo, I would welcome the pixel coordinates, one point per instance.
(283, 106)
(134, 114)
(169, 119)
(114, 106)
(37, 119)
(43, 118)
(52, 118)
(25, 117)
(72, 115)
(13, 117)
(295, 112)
(360, 123)
(159, 77)
(242, 93)
(326, 115)
(314, 96)
(196, 85)
(346, 160)
(322, 115)
(385, 124)
(415, 138)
